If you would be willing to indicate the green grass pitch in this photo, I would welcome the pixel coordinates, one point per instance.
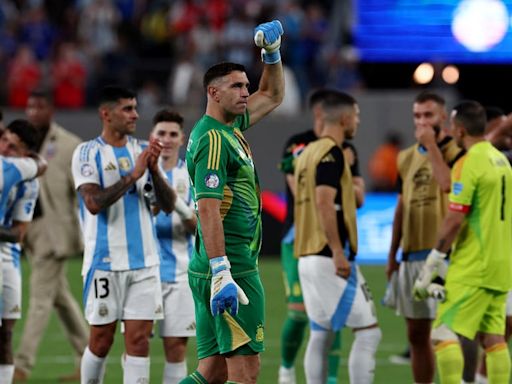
(55, 356)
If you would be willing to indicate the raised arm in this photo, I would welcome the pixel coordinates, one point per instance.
(270, 91)
(440, 170)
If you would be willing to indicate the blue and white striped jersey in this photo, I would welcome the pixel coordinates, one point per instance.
(121, 237)
(13, 171)
(175, 242)
(20, 207)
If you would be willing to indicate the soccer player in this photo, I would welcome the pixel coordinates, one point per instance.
(326, 241)
(52, 238)
(477, 230)
(18, 140)
(497, 131)
(424, 178)
(120, 268)
(175, 234)
(293, 329)
(223, 272)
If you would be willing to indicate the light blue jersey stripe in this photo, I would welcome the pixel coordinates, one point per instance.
(131, 215)
(11, 176)
(344, 307)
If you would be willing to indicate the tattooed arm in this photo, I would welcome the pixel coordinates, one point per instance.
(96, 198)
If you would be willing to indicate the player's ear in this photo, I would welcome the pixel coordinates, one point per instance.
(213, 92)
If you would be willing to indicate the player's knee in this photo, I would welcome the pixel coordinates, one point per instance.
(252, 371)
(418, 336)
(442, 334)
(368, 337)
(100, 343)
(137, 344)
(175, 350)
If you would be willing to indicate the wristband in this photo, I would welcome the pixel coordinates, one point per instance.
(270, 57)
(218, 264)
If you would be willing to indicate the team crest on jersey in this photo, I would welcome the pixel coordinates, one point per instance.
(260, 334)
(457, 188)
(181, 187)
(103, 310)
(86, 170)
(211, 181)
(124, 163)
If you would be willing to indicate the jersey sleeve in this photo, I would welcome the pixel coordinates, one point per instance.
(463, 185)
(83, 165)
(26, 166)
(330, 168)
(23, 209)
(210, 163)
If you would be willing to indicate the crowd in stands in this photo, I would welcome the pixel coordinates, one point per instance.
(160, 47)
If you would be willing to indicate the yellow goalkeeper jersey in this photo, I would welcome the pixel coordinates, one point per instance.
(482, 188)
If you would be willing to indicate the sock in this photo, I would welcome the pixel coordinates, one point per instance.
(92, 367)
(361, 362)
(334, 359)
(315, 359)
(194, 378)
(286, 375)
(6, 373)
(174, 372)
(480, 379)
(498, 364)
(450, 362)
(136, 370)
(292, 335)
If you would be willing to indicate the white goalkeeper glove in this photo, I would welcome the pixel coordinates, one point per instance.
(224, 293)
(434, 266)
(267, 36)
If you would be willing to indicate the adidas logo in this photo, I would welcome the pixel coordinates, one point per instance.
(110, 167)
(159, 310)
(15, 309)
(192, 326)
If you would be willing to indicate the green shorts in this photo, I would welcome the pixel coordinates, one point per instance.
(290, 265)
(468, 310)
(242, 334)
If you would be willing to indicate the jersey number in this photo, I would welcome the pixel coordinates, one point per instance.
(503, 190)
(101, 288)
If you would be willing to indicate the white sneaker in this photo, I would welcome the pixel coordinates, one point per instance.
(286, 375)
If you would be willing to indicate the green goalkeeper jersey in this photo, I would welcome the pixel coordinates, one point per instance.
(482, 188)
(220, 166)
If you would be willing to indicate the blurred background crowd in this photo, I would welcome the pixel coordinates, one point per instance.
(162, 47)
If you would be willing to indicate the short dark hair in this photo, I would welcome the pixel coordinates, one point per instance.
(27, 133)
(220, 70)
(329, 98)
(41, 93)
(492, 112)
(112, 94)
(168, 115)
(471, 115)
(425, 96)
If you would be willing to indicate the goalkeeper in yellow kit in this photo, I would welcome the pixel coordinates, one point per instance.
(478, 230)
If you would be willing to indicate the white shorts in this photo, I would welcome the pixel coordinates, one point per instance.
(124, 295)
(509, 303)
(179, 315)
(11, 291)
(331, 301)
(406, 305)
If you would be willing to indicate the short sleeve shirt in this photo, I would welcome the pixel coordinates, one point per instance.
(482, 188)
(220, 165)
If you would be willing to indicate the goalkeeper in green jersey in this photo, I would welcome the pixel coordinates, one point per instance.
(223, 272)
